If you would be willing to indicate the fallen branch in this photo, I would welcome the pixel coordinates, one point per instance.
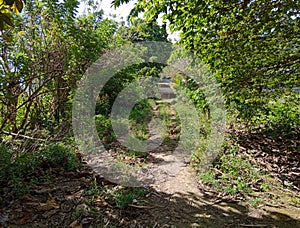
(140, 206)
(253, 225)
(23, 136)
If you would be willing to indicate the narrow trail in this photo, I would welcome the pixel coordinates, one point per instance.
(179, 176)
(174, 198)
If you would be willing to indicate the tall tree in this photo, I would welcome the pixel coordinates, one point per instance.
(40, 66)
(141, 30)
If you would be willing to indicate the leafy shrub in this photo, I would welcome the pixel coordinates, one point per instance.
(104, 129)
(17, 170)
(141, 112)
(59, 155)
(139, 118)
(286, 113)
(283, 112)
(5, 162)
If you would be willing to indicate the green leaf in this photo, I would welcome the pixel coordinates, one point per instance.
(19, 6)
(7, 18)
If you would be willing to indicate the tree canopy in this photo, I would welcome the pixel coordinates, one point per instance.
(252, 46)
(40, 65)
(89, 111)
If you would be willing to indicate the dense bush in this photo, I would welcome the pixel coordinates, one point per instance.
(16, 170)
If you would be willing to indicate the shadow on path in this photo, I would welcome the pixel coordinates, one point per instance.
(188, 210)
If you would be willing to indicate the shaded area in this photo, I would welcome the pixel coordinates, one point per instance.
(84, 199)
(277, 149)
(75, 199)
(180, 211)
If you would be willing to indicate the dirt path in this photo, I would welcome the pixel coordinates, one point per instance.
(180, 202)
(174, 198)
(72, 200)
(179, 176)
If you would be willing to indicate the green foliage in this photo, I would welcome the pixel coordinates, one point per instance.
(104, 129)
(59, 156)
(23, 171)
(135, 153)
(251, 46)
(117, 195)
(193, 91)
(140, 30)
(164, 113)
(139, 118)
(255, 202)
(123, 197)
(141, 113)
(95, 190)
(5, 162)
(296, 200)
(283, 112)
(7, 7)
(121, 80)
(265, 187)
(43, 62)
(209, 178)
(232, 172)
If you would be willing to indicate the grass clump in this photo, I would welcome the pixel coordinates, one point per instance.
(125, 196)
(118, 196)
(233, 172)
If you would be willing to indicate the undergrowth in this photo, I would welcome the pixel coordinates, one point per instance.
(25, 170)
(233, 172)
(126, 196)
(118, 196)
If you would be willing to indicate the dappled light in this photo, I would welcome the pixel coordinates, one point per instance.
(107, 122)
